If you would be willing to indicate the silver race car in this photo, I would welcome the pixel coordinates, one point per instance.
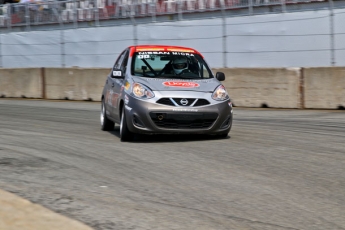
(156, 89)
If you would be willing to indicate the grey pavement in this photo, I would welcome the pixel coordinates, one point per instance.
(279, 169)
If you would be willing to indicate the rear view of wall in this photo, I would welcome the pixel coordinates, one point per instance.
(26, 83)
(324, 88)
(75, 83)
(261, 87)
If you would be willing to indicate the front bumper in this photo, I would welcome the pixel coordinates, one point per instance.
(147, 117)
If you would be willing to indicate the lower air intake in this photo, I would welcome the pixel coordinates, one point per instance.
(184, 120)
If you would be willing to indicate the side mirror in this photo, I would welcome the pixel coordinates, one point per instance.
(220, 76)
(117, 74)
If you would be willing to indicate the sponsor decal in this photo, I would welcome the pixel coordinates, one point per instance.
(181, 84)
(172, 79)
(182, 54)
(126, 99)
(185, 110)
(127, 85)
(128, 108)
(180, 50)
(151, 54)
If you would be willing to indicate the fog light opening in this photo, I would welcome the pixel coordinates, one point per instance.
(226, 123)
(137, 121)
(160, 117)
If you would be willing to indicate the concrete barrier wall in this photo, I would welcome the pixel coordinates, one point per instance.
(319, 88)
(26, 82)
(260, 87)
(324, 88)
(75, 83)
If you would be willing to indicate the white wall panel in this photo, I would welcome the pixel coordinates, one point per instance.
(279, 40)
(279, 59)
(31, 49)
(300, 39)
(96, 47)
(339, 28)
(203, 35)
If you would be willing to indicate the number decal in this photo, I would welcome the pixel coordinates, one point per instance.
(143, 56)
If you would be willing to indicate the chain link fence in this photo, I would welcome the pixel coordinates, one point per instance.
(283, 40)
(75, 11)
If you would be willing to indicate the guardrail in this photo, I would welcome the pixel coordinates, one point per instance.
(74, 11)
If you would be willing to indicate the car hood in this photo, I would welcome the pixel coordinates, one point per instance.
(159, 84)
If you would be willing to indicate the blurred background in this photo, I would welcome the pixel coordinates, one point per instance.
(230, 33)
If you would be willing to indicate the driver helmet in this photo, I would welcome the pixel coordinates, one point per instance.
(180, 64)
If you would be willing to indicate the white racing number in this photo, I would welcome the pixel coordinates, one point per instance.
(142, 56)
(117, 73)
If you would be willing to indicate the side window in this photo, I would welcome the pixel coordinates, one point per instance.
(205, 73)
(119, 60)
(123, 66)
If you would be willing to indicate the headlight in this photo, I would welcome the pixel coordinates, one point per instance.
(220, 94)
(142, 91)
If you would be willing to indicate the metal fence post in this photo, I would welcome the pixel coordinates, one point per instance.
(179, 10)
(153, 10)
(1, 50)
(283, 6)
(62, 43)
(135, 32)
(250, 7)
(331, 17)
(75, 21)
(96, 12)
(27, 17)
(9, 17)
(224, 36)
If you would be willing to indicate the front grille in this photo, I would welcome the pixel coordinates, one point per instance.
(177, 101)
(183, 120)
(201, 102)
(165, 101)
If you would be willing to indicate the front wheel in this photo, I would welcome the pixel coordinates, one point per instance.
(125, 134)
(106, 124)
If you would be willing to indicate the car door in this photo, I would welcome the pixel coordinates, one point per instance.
(116, 84)
(110, 84)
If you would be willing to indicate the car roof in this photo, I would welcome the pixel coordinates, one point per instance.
(162, 48)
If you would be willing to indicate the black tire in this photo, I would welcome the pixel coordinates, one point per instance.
(106, 124)
(125, 134)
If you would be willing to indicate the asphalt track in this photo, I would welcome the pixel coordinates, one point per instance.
(279, 169)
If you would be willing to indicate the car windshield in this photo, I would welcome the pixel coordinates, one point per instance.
(173, 65)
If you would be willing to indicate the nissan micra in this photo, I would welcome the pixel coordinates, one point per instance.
(156, 89)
